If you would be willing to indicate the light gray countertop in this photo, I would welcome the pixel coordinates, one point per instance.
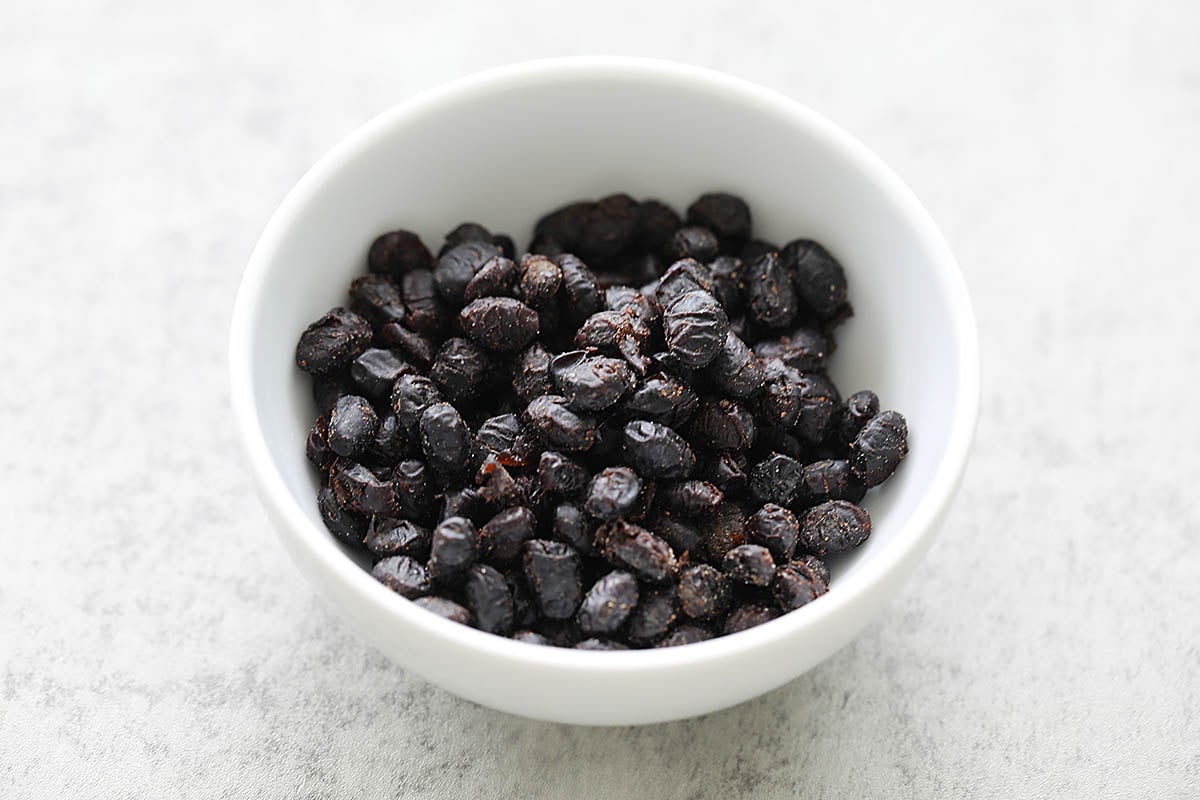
(156, 642)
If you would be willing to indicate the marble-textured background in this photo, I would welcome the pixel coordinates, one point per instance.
(156, 642)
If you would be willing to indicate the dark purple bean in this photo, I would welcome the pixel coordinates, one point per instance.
(553, 571)
(398, 252)
(746, 617)
(750, 564)
(775, 528)
(378, 299)
(388, 536)
(834, 527)
(444, 608)
(878, 449)
(452, 548)
(656, 451)
(405, 576)
(626, 545)
(505, 534)
(346, 526)
(559, 426)
(332, 342)
(704, 593)
(608, 603)
(613, 493)
(489, 599)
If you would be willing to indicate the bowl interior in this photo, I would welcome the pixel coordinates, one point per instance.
(503, 152)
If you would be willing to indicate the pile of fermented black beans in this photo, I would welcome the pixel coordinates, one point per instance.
(624, 438)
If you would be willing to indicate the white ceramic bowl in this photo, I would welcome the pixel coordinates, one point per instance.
(501, 148)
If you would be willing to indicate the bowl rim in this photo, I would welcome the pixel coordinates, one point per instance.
(321, 546)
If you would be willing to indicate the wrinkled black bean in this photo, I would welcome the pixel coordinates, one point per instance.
(627, 545)
(445, 608)
(590, 383)
(461, 370)
(612, 493)
(531, 373)
(580, 292)
(388, 536)
(830, 480)
(458, 265)
(398, 252)
(608, 603)
(426, 312)
(656, 451)
(704, 592)
(378, 299)
(770, 297)
(540, 280)
(662, 398)
(726, 274)
(656, 221)
(750, 564)
(804, 349)
(445, 439)
(628, 299)
(499, 323)
(690, 498)
(746, 617)
(316, 446)
(736, 370)
(877, 450)
(726, 471)
(722, 529)
(489, 599)
(683, 276)
(775, 528)
(375, 371)
(793, 587)
(693, 241)
(558, 425)
(332, 342)
(410, 488)
(814, 567)
(564, 225)
(496, 278)
(553, 571)
(452, 548)
(818, 404)
(360, 490)
(723, 425)
(560, 475)
(464, 232)
(695, 327)
(724, 214)
(860, 408)
(834, 527)
(608, 227)
(347, 526)
(685, 634)
(415, 347)
(405, 576)
(656, 612)
(819, 279)
(679, 532)
(506, 533)
(775, 479)
(573, 526)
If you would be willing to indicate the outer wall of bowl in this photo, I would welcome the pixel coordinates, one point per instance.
(913, 339)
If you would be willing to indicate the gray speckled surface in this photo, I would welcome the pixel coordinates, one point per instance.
(154, 640)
